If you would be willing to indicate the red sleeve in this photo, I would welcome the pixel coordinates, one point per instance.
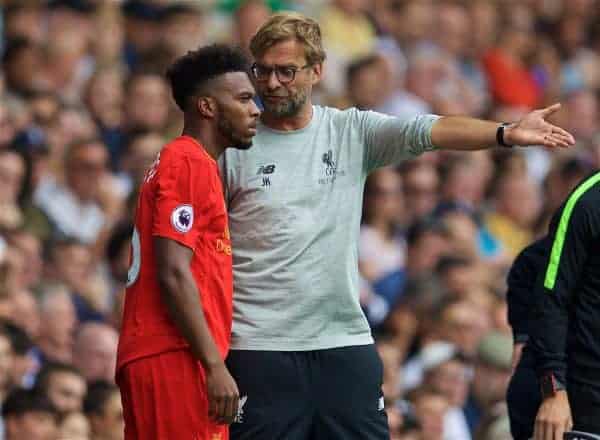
(179, 186)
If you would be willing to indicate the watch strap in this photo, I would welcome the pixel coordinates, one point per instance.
(500, 135)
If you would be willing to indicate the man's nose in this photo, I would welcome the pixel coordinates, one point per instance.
(254, 110)
(273, 81)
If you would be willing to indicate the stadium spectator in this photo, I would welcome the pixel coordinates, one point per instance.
(447, 371)
(247, 18)
(76, 208)
(516, 208)
(75, 426)
(421, 183)
(95, 351)
(382, 251)
(24, 366)
(64, 386)
(493, 368)
(430, 408)
(58, 323)
(103, 408)
(28, 415)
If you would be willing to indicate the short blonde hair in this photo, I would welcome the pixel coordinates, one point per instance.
(287, 26)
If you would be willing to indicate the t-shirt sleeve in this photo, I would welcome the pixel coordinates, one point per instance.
(179, 186)
(389, 140)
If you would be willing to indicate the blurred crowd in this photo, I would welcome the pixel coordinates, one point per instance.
(84, 109)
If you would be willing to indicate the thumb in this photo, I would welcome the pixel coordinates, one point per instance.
(550, 110)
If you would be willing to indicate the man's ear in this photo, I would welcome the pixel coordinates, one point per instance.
(206, 107)
(317, 73)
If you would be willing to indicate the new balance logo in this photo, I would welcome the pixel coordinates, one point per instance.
(266, 169)
(266, 182)
(239, 418)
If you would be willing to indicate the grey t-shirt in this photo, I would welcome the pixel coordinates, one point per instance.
(295, 203)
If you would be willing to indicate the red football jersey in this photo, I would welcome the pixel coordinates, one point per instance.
(181, 199)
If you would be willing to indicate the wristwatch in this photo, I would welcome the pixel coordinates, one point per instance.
(550, 385)
(500, 135)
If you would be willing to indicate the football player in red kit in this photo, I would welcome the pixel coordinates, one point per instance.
(178, 305)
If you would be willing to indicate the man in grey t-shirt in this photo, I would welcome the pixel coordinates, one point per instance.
(302, 352)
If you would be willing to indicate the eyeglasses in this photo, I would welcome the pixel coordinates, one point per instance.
(284, 74)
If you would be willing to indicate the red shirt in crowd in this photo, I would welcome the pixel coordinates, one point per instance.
(181, 199)
(510, 82)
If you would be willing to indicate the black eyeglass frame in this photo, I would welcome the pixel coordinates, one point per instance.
(279, 72)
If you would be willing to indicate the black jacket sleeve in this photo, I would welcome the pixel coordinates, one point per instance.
(521, 281)
(572, 230)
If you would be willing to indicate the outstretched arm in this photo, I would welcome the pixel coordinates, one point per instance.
(463, 133)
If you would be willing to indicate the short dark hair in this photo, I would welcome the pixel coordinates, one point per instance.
(191, 71)
(21, 401)
(359, 64)
(42, 381)
(423, 226)
(97, 395)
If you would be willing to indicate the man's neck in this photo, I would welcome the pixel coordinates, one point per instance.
(206, 138)
(296, 122)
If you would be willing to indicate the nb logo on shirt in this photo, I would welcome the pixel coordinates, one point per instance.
(266, 169)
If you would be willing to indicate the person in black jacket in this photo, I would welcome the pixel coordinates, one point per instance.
(564, 326)
(523, 395)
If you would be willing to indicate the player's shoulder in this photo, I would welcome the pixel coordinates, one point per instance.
(183, 149)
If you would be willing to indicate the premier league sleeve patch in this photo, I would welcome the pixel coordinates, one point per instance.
(182, 218)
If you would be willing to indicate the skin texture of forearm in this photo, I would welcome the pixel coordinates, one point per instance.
(180, 294)
(462, 133)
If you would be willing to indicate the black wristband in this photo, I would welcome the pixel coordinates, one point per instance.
(500, 135)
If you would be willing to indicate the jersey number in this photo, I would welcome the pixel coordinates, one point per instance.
(136, 258)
